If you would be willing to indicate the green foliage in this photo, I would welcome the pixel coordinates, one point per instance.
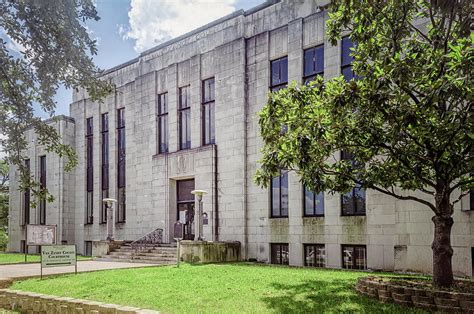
(3, 240)
(407, 119)
(54, 49)
(217, 288)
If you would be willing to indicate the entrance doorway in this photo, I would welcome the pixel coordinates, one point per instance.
(185, 205)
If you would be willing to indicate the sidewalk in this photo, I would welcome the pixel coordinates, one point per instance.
(13, 271)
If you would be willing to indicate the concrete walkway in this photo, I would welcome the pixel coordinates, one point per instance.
(29, 270)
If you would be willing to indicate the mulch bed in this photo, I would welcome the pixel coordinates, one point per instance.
(419, 292)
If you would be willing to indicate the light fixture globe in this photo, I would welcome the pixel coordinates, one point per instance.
(109, 201)
(199, 193)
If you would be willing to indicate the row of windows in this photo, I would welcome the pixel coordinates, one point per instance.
(353, 256)
(27, 193)
(104, 169)
(184, 117)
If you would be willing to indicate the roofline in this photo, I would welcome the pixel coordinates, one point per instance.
(232, 15)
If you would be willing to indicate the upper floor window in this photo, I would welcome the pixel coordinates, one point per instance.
(89, 170)
(121, 208)
(104, 130)
(208, 111)
(313, 63)
(279, 195)
(184, 114)
(162, 123)
(347, 58)
(279, 74)
(353, 202)
(26, 197)
(42, 181)
(313, 203)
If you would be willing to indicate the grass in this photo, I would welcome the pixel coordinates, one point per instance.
(12, 258)
(229, 288)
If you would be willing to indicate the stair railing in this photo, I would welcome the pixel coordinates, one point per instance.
(150, 239)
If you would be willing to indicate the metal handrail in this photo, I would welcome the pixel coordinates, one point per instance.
(152, 238)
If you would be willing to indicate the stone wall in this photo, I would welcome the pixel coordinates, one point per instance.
(209, 252)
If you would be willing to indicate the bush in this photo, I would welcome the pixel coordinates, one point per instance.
(3, 240)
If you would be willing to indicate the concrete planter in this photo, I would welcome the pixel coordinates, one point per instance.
(209, 252)
(431, 300)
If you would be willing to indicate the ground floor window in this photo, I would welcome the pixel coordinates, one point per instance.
(22, 246)
(279, 253)
(315, 255)
(354, 257)
(88, 248)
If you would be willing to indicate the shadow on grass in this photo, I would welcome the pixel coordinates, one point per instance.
(316, 296)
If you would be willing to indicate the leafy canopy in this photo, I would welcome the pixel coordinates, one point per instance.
(407, 118)
(53, 47)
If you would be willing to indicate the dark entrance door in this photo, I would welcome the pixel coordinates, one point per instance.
(185, 206)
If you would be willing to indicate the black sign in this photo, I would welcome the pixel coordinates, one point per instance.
(178, 230)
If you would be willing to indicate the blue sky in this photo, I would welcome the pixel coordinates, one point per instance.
(128, 27)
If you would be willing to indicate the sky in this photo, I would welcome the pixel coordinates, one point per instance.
(129, 27)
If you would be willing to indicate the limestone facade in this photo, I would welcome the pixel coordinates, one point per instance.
(236, 51)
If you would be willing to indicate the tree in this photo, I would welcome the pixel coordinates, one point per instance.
(43, 44)
(3, 204)
(406, 119)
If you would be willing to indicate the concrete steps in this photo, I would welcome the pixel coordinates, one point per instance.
(160, 255)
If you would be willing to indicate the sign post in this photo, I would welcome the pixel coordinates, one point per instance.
(38, 235)
(178, 236)
(58, 255)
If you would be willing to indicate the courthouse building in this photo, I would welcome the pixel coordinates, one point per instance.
(184, 116)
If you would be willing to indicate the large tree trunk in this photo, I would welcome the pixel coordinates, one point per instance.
(442, 250)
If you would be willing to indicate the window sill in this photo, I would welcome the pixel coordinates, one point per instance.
(353, 215)
(278, 217)
(313, 216)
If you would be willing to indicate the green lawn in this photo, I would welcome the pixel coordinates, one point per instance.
(236, 288)
(10, 258)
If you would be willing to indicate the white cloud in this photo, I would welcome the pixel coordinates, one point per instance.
(152, 22)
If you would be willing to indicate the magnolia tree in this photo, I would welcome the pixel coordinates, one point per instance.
(43, 44)
(406, 120)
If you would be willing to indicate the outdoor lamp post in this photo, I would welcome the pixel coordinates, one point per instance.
(109, 204)
(199, 194)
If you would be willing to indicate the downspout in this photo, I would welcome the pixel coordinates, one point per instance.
(245, 200)
(216, 197)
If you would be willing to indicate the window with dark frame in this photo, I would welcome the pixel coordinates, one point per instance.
(22, 246)
(471, 199)
(121, 200)
(347, 58)
(313, 63)
(89, 171)
(162, 122)
(315, 255)
(279, 196)
(353, 202)
(279, 74)
(42, 202)
(87, 248)
(354, 257)
(313, 203)
(184, 115)
(279, 253)
(104, 176)
(26, 197)
(208, 112)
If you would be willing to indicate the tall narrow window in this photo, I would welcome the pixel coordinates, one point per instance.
(353, 202)
(279, 195)
(26, 197)
(313, 63)
(279, 253)
(121, 209)
(162, 122)
(42, 177)
(89, 171)
(347, 58)
(471, 199)
(354, 257)
(184, 113)
(314, 255)
(313, 203)
(208, 111)
(104, 130)
(279, 74)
